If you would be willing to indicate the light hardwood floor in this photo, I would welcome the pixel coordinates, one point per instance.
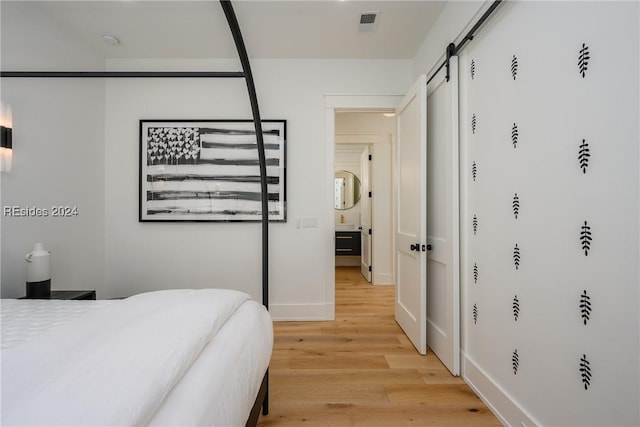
(361, 370)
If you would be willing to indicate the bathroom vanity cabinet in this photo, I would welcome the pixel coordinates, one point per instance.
(348, 243)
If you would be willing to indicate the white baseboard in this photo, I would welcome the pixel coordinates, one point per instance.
(499, 402)
(301, 312)
(382, 278)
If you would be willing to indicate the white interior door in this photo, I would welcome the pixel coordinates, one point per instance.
(443, 274)
(411, 227)
(365, 214)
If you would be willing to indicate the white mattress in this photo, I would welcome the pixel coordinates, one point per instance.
(218, 388)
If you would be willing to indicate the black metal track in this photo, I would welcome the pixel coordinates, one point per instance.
(123, 74)
(453, 50)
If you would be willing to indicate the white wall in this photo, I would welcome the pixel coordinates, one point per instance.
(58, 160)
(146, 256)
(95, 167)
(527, 367)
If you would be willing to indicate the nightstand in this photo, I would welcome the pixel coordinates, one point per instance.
(75, 295)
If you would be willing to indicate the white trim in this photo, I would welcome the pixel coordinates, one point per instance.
(382, 279)
(300, 312)
(330, 261)
(352, 102)
(497, 400)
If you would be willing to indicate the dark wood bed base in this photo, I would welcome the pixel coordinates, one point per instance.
(262, 401)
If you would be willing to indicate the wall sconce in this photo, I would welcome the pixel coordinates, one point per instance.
(6, 143)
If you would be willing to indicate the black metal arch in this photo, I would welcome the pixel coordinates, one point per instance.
(257, 123)
(245, 73)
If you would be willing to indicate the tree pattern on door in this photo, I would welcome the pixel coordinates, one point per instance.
(551, 180)
(583, 60)
(585, 307)
(585, 371)
(585, 238)
(583, 156)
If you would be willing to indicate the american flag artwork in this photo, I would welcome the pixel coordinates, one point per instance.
(209, 170)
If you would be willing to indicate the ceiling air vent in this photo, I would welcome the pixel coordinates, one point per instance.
(368, 21)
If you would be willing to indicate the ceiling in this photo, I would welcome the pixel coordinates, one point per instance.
(271, 29)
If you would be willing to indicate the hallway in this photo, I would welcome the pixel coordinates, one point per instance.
(361, 370)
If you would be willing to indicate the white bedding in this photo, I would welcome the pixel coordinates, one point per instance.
(182, 357)
(21, 320)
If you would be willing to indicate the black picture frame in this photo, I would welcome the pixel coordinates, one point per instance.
(207, 170)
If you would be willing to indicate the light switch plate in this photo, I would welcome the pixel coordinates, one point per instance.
(308, 222)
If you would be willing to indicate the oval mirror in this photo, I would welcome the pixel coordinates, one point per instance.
(347, 190)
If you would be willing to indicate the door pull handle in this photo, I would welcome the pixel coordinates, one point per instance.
(428, 247)
(415, 247)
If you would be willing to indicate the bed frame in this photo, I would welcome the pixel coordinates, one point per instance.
(262, 400)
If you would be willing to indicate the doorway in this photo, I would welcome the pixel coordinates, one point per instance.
(364, 149)
(352, 104)
(345, 104)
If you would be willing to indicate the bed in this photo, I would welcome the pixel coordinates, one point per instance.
(174, 357)
(180, 357)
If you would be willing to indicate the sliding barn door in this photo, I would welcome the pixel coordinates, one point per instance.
(443, 276)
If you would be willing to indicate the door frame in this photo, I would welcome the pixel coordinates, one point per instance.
(333, 104)
(366, 211)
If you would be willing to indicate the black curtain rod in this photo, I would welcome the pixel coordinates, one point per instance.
(124, 74)
(453, 50)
